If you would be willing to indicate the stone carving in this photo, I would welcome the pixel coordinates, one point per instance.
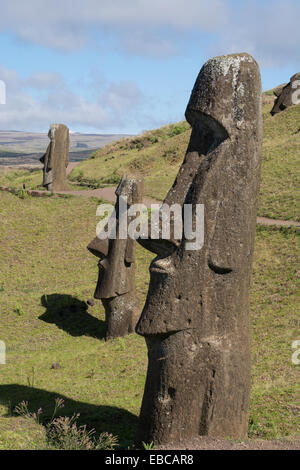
(196, 316)
(116, 283)
(287, 95)
(56, 158)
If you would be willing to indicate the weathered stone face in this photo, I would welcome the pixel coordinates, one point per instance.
(196, 316)
(285, 94)
(116, 281)
(56, 158)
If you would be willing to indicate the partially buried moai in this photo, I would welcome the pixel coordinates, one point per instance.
(196, 316)
(287, 95)
(116, 285)
(56, 158)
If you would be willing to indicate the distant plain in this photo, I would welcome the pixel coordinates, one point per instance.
(19, 148)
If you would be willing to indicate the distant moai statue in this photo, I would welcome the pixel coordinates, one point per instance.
(196, 316)
(56, 158)
(287, 95)
(116, 285)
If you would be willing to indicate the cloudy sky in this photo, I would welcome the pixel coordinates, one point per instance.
(123, 66)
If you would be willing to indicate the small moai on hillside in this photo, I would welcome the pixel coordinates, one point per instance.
(287, 95)
(116, 286)
(56, 158)
(196, 317)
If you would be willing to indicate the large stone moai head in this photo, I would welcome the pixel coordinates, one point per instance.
(287, 95)
(56, 158)
(116, 285)
(196, 316)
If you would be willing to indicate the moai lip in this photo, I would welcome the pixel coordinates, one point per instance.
(56, 158)
(116, 286)
(284, 95)
(196, 316)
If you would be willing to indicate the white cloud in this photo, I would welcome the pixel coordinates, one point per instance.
(267, 28)
(69, 24)
(44, 81)
(27, 109)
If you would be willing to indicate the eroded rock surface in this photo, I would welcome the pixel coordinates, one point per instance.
(116, 285)
(56, 158)
(196, 316)
(287, 95)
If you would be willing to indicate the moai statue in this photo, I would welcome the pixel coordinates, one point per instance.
(196, 316)
(116, 283)
(56, 158)
(287, 95)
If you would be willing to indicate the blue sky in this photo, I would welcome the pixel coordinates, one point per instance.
(129, 65)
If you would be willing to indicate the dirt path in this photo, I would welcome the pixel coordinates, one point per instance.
(71, 167)
(280, 223)
(206, 443)
(108, 194)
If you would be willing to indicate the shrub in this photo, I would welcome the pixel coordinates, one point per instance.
(63, 432)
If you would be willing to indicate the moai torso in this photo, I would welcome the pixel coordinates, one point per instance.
(196, 316)
(56, 158)
(116, 281)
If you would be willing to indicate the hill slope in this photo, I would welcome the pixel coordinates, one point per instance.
(157, 155)
(47, 276)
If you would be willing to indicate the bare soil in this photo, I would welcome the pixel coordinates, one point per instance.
(206, 443)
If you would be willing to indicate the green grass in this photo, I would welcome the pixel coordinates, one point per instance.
(47, 275)
(157, 155)
(280, 183)
(16, 178)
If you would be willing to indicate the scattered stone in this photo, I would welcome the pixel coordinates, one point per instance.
(116, 283)
(56, 158)
(196, 316)
(91, 302)
(285, 94)
(56, 365)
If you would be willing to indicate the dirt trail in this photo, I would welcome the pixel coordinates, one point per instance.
(207, 443)
(71, 167)
(108, 194)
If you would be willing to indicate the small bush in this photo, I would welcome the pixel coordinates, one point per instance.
(19, 309)
(112, 179)
(176, 130)
(63, 432)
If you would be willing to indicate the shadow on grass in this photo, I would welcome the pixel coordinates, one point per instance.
(71, 315)
(117, 421)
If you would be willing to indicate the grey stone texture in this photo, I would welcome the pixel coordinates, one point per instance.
(116, 286)
(196, 316)
(284, 95)
(56, 158)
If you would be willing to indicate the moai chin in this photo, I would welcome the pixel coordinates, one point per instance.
(196, 316)
(56, 158)
(116, 285)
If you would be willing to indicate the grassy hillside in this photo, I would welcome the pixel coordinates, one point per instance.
(46, 277)
(157, 156)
